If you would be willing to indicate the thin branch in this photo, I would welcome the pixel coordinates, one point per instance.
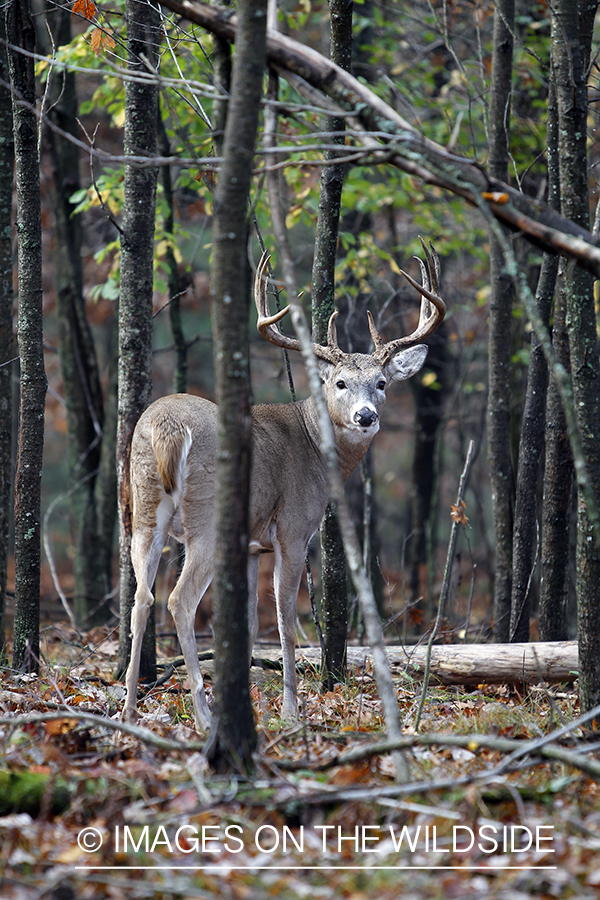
(446, 583)
(141, 734)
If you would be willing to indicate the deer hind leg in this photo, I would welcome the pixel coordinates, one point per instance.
(195, 578)
(146, 549)
(253, 563)
(287, 575)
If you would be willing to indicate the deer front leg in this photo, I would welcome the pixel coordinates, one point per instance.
(286, 578)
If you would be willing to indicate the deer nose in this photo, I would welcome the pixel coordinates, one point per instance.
(365, 416)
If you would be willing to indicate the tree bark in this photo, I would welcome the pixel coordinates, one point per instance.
(135, 301)
(174, 281)
(429, 405)
(558, 491)
(333, 563)
(21, 33)
(572, 24)
(83, 394)
(531, 449)
(233, 737)
(500, 322)
(558, 470)
(7, 343)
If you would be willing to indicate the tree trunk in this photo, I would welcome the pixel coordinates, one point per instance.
(233, 737)
(83, 394)
(135, 302)
(7, 343)
(174, 281)
(572, 24)
(558, 471)
(429, 405)
(106, 483)
(20, 33)
(531, 449)
(333, 563)
(501, 471)
(558, 491)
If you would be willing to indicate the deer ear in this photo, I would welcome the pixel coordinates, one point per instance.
(406, 363)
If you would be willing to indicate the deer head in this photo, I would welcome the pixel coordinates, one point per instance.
(355, 383)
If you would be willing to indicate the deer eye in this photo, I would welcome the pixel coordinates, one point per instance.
(381, 385)
(341, 385)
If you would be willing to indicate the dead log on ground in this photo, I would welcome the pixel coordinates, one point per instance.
(467, 664)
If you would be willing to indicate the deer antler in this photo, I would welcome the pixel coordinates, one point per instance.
(429, 320)
(266, 322)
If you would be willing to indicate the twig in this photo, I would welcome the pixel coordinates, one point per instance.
(545, 747)
(446, 582)
(142, 734)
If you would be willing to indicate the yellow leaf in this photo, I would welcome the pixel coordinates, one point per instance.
(395, 267)
(119, 118)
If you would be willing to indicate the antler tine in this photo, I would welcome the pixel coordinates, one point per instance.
(429, 320)
(266, 322)
(332, 332)
(377, 339)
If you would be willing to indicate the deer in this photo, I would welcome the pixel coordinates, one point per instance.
(172, 478)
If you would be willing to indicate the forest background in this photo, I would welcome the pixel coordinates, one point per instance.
(489, 150)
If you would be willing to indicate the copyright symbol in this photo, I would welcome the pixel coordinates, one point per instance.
(89, 840)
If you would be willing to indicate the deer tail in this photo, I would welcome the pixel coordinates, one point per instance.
(171, 448)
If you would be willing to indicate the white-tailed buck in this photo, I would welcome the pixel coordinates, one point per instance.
(172, 477)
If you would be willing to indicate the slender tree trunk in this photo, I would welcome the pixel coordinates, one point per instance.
(558, 471)
(233, 737)
(7, 342)
(174, 281)
(21, 33)
(83, 394)
(531, 448)
(135, 302)
(558, 491)
(501, 471)
(526, 533)
(333, 562)
(106, 483)
(429, 405)
(571, 37)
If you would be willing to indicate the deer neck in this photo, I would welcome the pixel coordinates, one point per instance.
(350, 444)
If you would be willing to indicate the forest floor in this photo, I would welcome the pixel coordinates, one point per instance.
(492, 807)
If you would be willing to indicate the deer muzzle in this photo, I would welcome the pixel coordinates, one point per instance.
(365, 417)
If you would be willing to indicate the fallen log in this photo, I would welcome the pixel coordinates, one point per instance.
(468, 664)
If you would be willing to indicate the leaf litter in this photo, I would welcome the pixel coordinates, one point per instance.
(88, 810)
